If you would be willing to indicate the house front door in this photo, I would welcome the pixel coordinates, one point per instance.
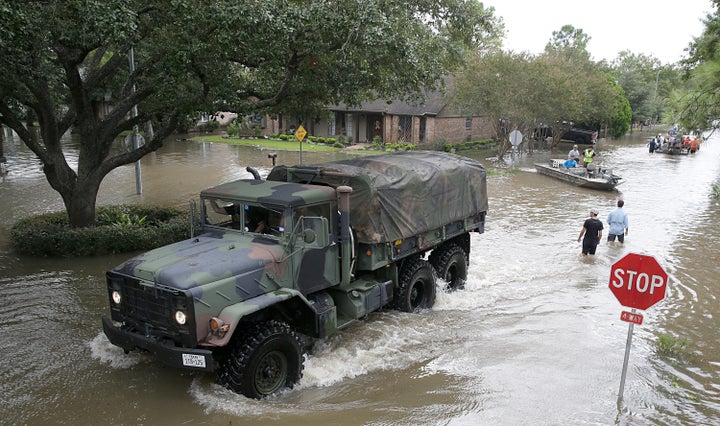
(376, 127)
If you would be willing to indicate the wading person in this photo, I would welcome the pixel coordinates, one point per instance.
(592, 231)
(652, 145)
(617, 223)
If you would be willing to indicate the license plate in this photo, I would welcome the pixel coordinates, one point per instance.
(192, 360)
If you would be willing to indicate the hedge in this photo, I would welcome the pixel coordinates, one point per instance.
(118, 229)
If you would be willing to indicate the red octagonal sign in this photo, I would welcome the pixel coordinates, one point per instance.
(638, 281)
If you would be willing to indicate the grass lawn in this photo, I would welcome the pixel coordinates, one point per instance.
(289, 145)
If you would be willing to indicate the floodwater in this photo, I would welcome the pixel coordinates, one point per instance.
(534, 338)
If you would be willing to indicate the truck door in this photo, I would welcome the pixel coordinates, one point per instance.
(317, 267)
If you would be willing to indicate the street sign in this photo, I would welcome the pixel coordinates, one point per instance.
(638, 281)
(515, 137)
(631, 317)
(300, 133)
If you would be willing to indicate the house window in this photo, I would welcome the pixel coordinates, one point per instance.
(339, 125)
(405, 128)
(255, 119)
(468, 123)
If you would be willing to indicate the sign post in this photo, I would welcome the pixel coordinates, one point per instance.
(300, 135)
(515, 139)
(638, 282)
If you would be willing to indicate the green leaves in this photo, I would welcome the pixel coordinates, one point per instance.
(67, 63)
(519, 91)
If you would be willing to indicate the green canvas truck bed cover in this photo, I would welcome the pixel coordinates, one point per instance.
(399, 195)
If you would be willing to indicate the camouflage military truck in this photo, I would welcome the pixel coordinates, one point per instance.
(281, 262)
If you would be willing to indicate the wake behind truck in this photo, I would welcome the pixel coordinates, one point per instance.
(280, 262)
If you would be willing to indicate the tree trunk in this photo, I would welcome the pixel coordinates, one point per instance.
(80, 203)
(503, 146)
(79, 194)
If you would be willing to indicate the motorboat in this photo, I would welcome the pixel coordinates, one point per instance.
(593, 177)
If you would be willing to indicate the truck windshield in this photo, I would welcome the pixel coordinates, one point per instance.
(243, 216)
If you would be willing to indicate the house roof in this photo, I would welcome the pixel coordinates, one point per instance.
(432, 104)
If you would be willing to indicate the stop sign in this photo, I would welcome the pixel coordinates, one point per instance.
(638, 281)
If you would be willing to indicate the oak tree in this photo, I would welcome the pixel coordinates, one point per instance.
(65, 67)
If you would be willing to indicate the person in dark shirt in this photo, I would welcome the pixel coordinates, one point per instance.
(592, 231)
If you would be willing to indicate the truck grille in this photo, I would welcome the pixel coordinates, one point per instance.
(150, 309)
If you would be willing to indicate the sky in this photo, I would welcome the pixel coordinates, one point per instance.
(661, 28)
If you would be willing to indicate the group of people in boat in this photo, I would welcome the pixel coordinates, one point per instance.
(574, 160)
(673, 142)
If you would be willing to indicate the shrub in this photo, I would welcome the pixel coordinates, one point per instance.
(670, 346)
(284, 137)
(478, 144)
(209, 126)
(378, 143)
(232, 130)
(119, 229)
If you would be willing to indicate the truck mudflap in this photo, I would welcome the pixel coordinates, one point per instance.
(173, 356)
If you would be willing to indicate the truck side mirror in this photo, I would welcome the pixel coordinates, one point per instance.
(315, 231)
(309, 236)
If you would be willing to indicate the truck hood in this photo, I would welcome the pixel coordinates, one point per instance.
(208, 258)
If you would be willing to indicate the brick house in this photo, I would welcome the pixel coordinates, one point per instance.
(428, 122)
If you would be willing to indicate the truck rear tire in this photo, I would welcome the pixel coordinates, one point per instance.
(451, 263)
(266, 359)
(416, 289)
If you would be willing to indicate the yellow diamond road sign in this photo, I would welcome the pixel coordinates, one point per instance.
(300, 133)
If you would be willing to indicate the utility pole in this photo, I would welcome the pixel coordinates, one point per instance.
(136, 139)
(655, 113)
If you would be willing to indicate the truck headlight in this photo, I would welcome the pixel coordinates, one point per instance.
(116, 297)
(180, 317)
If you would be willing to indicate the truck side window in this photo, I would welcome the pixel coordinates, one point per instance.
(221, 213)
(255, 218)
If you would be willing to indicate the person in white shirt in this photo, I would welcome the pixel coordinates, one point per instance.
(574, 153)
(618, 223)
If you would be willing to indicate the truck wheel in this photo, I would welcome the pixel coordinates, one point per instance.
(450, 263)
(263, 361)
(416, 289)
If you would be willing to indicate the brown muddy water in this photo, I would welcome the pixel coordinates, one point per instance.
(535, 337)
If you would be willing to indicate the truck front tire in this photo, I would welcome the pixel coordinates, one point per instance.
(416, 289)
(451, 264)
(265, 359)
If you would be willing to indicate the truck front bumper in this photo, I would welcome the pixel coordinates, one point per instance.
(188, 358)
